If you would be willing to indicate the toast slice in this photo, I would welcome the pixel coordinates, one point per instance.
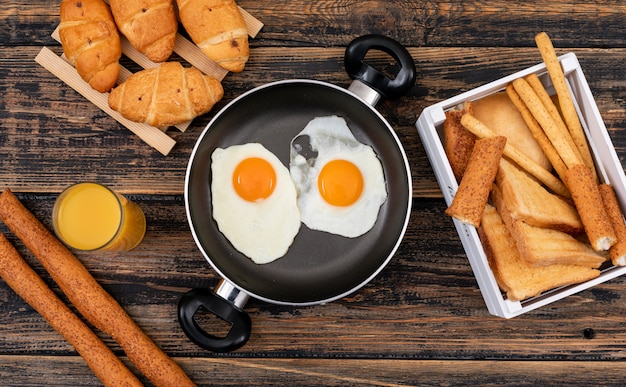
(543, 246)
(473, 192)
(530, 202)
(514, 275)
(458, 141)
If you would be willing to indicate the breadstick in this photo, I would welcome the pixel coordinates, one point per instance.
(482, 131)
(473, 193)
(28, 285)
(537, 132)
(588, 202)
(565, 99)
(568, 154)
(618, 250)
(86, 294)
(548, 103)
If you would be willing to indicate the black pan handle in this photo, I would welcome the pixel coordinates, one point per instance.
(354, 61)
(241, 326)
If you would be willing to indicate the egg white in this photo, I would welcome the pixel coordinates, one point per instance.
(330, 139)
(261, 230)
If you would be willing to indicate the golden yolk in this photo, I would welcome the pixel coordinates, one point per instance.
(254, 179)
(340, 183)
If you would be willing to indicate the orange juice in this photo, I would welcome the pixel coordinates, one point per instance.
(90, 216)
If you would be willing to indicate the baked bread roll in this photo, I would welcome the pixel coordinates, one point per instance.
(218, 28)
(91, 42)
(149, 25)
(166, 95)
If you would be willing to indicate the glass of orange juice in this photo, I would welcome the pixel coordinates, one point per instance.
(89, 216)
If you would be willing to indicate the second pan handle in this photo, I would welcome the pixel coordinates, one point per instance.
(229, 310)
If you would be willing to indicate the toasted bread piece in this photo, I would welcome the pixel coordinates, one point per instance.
(473, 193)
(500, 114)
(514, 275)
(530, 202)
(458, 141)
(543, 246)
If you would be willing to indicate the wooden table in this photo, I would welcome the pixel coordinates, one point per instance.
(422, 320)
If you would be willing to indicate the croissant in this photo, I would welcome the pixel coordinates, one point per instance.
(218, 28)
(149, 25)
(91, 42)
(166, 95)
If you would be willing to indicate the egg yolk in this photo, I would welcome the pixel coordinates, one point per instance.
(254, 179)
(340, 183)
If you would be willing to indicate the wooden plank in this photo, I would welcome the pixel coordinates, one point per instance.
(419, 307)
(68, 370)
(34, 141)
(440, 23)
(64, 71)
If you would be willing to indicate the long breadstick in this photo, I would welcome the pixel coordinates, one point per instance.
(482, 131)
(618, 250)
(569, 155)
(535, 83)
(588, 202)
(473, 193)
(565, 98)
(28, 285)
(537, 132)
(91, 300)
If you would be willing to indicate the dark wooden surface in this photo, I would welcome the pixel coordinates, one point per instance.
(422, 320)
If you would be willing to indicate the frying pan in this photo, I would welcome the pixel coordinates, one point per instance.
(319, 267)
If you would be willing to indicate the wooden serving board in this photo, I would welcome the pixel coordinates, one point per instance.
(155, 137)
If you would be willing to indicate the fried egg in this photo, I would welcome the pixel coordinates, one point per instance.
(340, 181)
(254, 201)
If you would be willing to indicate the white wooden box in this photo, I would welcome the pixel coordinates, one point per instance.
(430, 128)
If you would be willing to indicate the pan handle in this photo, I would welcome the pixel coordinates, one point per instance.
(357, 69)
(228, 309)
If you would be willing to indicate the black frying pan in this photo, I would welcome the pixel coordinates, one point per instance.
(318, 267)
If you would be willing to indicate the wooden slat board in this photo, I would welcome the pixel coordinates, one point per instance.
(183, 47)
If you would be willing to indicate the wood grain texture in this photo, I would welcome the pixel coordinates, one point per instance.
(53, 119)
(422, 320)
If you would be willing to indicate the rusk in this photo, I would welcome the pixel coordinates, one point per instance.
(499, 114)
(530, 202)
(513, 274)
(458, 141)
(473, 192)
(543, 246)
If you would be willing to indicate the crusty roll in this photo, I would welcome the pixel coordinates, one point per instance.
(218, 28)
(166, 95)
(91, 42)
(149, 25)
